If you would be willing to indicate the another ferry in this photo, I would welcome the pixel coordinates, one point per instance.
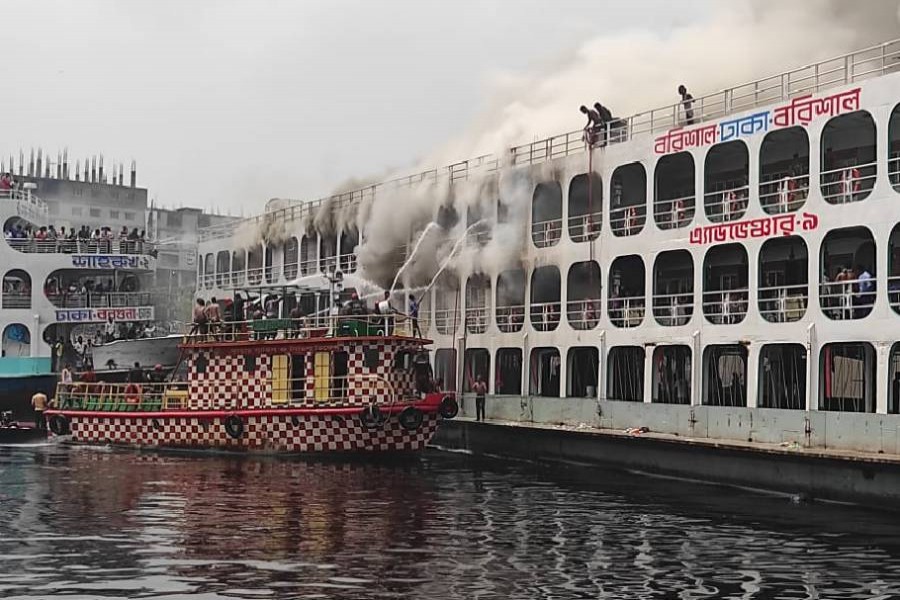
(744, 257)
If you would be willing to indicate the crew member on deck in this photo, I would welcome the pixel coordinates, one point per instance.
(593, 127)
(687, 103)
(39, 404)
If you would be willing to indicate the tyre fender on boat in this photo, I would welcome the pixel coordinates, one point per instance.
(448, 407)
(59, 425)
(371, 417)
(411, 418)
(234, 426)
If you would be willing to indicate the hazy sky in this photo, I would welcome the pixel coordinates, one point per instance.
(227, 103)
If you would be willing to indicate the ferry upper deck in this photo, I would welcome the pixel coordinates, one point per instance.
(748, 258)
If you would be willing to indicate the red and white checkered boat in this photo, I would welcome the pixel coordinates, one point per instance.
(269, 387)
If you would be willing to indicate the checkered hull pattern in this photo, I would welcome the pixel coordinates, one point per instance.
(225, 384)
(325, 433)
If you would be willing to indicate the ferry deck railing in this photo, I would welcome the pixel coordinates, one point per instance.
(894, 170)
(477, 318)
(672, 310)
(853, 67)
(583, 314)
(727, 202)
(674, 212)
(893, 283)
(545, 315)
(781, 193)
(626, 311)
(586, 227)
(28, 206)
(546, 233)
(848, 298)
(100, 299)
(16, 299)
(446, 320)
(79, 246)
(848, 183)
(628, 220)
(510, 317)
(783, 303)
(726, 307)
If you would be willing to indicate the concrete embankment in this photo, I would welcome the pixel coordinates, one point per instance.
(830, 456)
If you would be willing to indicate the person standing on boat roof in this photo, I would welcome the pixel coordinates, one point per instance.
(593, 127)
(136, 374)
(687, 103)
(414, 315)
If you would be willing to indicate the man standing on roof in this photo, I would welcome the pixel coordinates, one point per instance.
(593, 126)
(687, 102)
(414, 315)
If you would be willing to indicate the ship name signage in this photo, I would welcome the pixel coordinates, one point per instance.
(753, 228)
(101, 315)
(110, 261)
(801, 111)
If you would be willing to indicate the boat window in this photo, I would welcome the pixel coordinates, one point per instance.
(339, 370)
(783, 280)
(782, 376)
(223, 268)
(893, 405)
(402, 360)
(674, 193)
(546, 214)
(848, 283)
(848, 167)
(625, 374)
(309, 254)
(291, 258)
(254, 265)
(348, 243)
(545, 294)
(626, 291)
(508, 378)
(200, 363)
(847, 376)
(447, 309)
(784, 170)
(445, 368)
(628, 200)
(249, 363)
(673, 288)
(298, 376)
(510, 311)
(725, 375)
(894, 148)
(238, 266)
(672, 375)
(478, 293)
(16, 340)
(16, 289)
(583, 362)
(585, 288)
(725, 284)
(372, 357)
(210, 270)
(545, 372)
(477, 223)
(585, 207)
(726, 179)
(477, 362)
(272, 271)
(893, 281)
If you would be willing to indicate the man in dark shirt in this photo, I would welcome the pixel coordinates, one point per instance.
(687, 102)
(136, 374)
(593, 126)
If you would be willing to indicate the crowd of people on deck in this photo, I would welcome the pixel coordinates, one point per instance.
(49, 238)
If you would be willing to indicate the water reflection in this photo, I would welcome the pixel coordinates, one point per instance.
(96, 523)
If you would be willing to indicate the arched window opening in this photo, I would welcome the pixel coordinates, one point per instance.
(725, 375)
(546, 214)
(273, 265)
(16, 340)
(726, 179)
(673, 288)
(783, 280)
(510, 311)
(847, 377)
(478, 292)
(725, 284)
(447, 309)
(309, 254)
(223, 268)
(585, 207)
(626, 301)
(254, 265)
(209, 269)
(583, 363)
(508, 376)
(546, 372)
(238, 267)
(848, 158)
(584, 287)
(782, 376)
(545, 297)
(784, 170)
(625, 374)
(348, 243)
(476, 363)
(893, 405)
(16, 290)
(291, 258)
(445, 369)
(674, 193)
(848, 279)
(894, 148)
(628, 200)
(672, 375)
(328, 254)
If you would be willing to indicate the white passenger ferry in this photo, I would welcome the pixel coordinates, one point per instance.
(746, 259)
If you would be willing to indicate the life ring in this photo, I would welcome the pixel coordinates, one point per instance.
(371, 417)
(59, 425)
(411, 418)
(132, 394)
(448, 407)
(234, 426)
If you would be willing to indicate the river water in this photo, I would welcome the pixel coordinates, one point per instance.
(97, 523)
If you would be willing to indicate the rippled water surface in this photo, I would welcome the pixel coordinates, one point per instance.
(93, 523)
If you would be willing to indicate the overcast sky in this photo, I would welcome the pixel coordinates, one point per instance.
(227, 103)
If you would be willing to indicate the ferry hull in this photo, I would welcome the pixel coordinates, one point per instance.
(268, 433)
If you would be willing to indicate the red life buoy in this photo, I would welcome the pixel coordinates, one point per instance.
(133, 393)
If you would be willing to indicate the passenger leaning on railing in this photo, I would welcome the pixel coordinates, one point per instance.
(213, 317)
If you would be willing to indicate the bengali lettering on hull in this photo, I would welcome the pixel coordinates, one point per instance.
(101, 315)
(112, 261)
(779, 225)
(800, 111)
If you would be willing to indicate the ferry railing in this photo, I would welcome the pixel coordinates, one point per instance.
(28, 206)
(272, 273)
(100, 299)
(545, 315)
(309, 266)
(546, 233)
(626, 311)
(76, 246)
(586, 227)
(894, 170)
(16, 299)
(480, 235)
(347, 262)
(254, 275)
(894, 292)
(223, 279)
(831, 73)
(847, 299)
(726, 307)
(510, 318)
(783, 303)
(291, 270)
(328, 263)
(628, 220)
(727, 204)
(237, 277)
(583, 314)
(446, 320)
(265, 328)
(674, 213)
(849, 183)
(673, 310)
(477, 319)
(782, 193)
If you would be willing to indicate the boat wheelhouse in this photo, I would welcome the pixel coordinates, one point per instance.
(351, 383)
(747, 261)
